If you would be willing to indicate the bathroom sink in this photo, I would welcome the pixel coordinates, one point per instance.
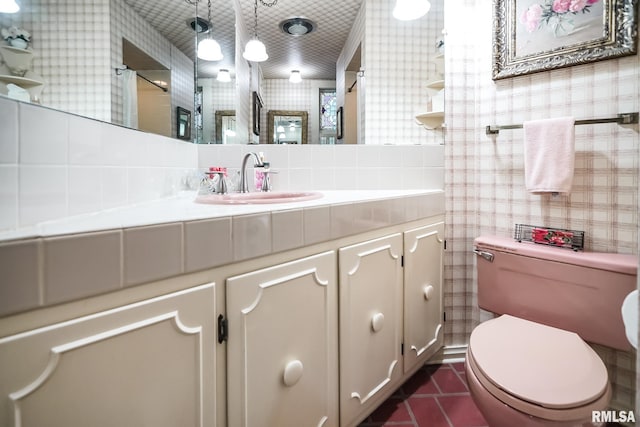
(258, 197)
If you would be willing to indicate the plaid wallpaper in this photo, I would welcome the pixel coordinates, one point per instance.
(69, 53)
(484, 181)
(78, 44)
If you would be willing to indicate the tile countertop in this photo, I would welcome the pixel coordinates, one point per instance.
(183, 208)
(87, 255)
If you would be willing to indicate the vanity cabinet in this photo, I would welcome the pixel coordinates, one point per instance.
(390, 315)
(370, 325)
(423, 306)
(316, 336)
(150, 363)
(282, 349)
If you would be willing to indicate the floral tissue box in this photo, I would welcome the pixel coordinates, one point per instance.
(571, 239)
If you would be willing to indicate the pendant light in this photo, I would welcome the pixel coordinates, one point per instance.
(208, 48)
(407, 10)
(9, 6)
(255, 50)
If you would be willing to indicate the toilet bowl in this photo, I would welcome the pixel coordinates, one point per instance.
(531, 364)
(522, 373)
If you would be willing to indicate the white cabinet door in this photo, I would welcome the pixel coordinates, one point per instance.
(370, 325)
(150, 363)
(282, 349)
(423, 335)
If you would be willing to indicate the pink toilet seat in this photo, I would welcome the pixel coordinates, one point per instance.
(539, 370)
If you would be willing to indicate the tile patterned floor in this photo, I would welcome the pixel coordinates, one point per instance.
(436, 396)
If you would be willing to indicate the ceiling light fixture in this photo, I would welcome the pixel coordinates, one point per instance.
(9, 6)
(255, 50)
(295, 77)
(199, 25)
(297, 26)
(208, 48)
(408, 10)
(224, 76)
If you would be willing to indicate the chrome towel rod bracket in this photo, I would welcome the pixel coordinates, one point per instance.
(621, 119)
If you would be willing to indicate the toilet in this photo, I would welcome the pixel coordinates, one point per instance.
(531, 364)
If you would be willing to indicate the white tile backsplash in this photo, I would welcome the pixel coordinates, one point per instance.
(44, 135)
(69, 165)
(8, 197)
(339, 167)
(56, 164)
(9, 126)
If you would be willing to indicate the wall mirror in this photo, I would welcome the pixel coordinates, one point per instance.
(226, 127)
(287, 127)
(94, 36)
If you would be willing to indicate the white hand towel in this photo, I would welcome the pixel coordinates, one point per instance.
(549, 155)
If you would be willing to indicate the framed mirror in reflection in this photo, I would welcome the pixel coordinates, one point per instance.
(225, 127)
(287, 127)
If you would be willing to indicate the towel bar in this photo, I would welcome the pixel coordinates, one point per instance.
(622, 119)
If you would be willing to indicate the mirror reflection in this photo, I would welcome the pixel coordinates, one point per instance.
(287, 127)
(127, 62)
(85, 58)
(226, 127)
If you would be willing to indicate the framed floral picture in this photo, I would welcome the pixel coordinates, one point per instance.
(539, 35)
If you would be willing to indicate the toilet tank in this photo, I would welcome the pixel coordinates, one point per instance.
(576, 291)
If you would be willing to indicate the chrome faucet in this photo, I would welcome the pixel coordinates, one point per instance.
(257, 162)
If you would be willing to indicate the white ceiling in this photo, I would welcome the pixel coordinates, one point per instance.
(313, 54)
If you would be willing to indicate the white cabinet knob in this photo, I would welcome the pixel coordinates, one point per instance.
(377, 322)
(428, 292)
(292, 373)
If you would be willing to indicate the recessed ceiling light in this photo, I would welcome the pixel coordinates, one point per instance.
(199, 25)
(297, 26)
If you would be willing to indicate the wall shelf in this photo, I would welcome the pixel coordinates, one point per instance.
(431, 119)
(23, 82)
(436, 84)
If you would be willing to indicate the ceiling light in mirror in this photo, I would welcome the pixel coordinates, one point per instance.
(297, 26)
(224, 76)
(408, 10)
(9, 6)
(295, 77)
(255, 51)
(209, 50)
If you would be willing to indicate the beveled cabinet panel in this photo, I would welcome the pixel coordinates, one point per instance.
(423, 252)
(150, 363)
(282, 354)
(370, 325)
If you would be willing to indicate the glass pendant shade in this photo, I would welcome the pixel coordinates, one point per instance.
(407, 10)
(209, 50)
(224, 76)
(255, 51)
(9, 6)
(295, 77)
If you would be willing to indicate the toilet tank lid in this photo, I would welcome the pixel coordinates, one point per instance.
(537, 363)
(621, 263)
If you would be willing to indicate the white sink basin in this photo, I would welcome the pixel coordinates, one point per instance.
(258, 198)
